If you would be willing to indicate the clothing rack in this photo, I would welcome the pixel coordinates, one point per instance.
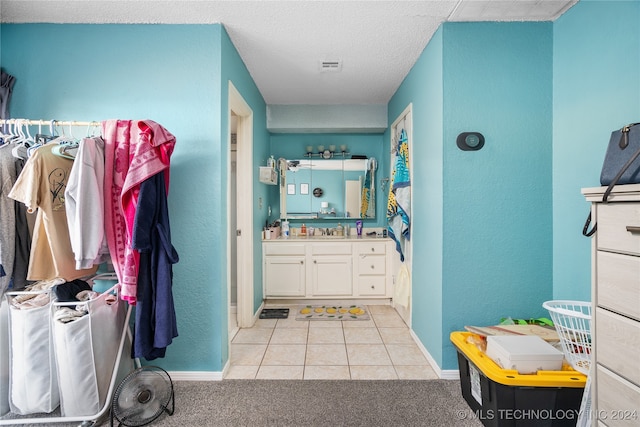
(41, 122)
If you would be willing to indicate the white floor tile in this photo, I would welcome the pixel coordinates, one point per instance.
(367, 355)
(326, 354)
(379, 348)
(280, 372)
(326, 336)
(284, 354)
(312, 372)
(373, 373)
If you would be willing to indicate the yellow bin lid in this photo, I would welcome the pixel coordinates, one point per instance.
(567, 377)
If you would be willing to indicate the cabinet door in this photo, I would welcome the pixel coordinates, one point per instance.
(284, 276)
(331, 275)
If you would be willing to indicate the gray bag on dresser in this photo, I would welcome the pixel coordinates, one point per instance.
(622, 161)
(621, 164)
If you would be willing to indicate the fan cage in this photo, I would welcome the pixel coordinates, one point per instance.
(165, 406)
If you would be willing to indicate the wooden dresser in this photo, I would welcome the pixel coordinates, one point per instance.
(616, 305)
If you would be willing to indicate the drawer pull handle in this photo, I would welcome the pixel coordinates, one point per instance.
(633, 228)
(373, 267)
(301, 262)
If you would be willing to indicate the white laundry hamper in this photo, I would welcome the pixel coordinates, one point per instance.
(4, 357)
(86, 350)
(33, 383)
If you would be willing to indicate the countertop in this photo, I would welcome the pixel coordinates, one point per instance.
(351, 238)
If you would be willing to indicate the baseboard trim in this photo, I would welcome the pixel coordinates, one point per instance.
(196, 376)
(447, 374)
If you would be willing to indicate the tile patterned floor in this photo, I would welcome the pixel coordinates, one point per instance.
(378, 348)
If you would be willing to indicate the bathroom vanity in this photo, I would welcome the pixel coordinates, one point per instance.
(334, 267)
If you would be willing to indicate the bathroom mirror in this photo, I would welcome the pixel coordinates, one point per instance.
(336, 188)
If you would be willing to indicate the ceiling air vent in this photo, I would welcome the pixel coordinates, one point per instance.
(331, 66)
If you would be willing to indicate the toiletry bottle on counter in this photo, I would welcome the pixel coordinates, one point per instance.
(303, 230)
(285, 229)
(359, 228)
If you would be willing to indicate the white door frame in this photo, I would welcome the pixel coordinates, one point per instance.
(407, 117)
(244, 210)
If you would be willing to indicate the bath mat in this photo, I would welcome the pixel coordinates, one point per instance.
(332, 312)
(274, 313)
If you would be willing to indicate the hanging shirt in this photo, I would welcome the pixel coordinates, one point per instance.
(84, 203)
(7, 213)
(41, 186)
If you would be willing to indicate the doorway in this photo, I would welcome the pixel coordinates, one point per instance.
(240, 274)
(402, 128)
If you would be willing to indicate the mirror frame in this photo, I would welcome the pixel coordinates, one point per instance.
(318, 164)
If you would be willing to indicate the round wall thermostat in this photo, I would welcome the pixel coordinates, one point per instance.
(470, 141)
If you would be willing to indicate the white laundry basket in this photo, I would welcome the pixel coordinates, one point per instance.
(572, 320)
(86, 350)
(33, 385)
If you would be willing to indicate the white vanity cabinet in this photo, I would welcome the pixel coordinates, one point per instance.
(370, 260)
(331, 269)
(285, 270)
(327, 269)
(616, 305)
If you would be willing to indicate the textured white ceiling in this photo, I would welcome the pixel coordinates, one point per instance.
(283, 42)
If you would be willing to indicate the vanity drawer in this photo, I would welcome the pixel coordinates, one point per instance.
(618, 285)
(372, 264)
(371, 248)
(371, 285)
(618, 399)
(283, 249)
(618, 344)
(619, 227)
(331, 249)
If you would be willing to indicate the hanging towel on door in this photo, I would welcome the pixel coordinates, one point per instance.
(399, 203)
(368, 203)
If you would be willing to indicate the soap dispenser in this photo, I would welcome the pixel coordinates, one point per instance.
(339, 230)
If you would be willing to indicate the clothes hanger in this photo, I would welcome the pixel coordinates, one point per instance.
(67, 146)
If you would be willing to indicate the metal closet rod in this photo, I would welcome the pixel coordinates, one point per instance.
(30, 122)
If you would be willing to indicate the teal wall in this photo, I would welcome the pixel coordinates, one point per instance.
(491, 209)
(424, 90)
(173, 75)
(235, 71)
(596, 89)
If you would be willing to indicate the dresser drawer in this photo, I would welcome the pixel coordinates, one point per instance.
(619, 227)
(283, 249)
(371, 248)
(618, 399)
(374, 264)
(330, 249)
(371, 285)
(618, 344)
(618, 279)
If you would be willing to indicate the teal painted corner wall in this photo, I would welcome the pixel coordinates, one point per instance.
(596, 81)
(235, 71)
(482, 245)
(173, 75)
(423, 89)
(497, 250)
